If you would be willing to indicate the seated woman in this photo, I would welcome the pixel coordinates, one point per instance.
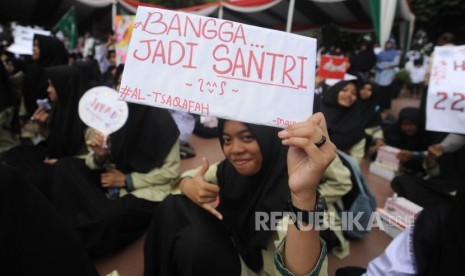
(340, 106)
(370, 113)
(109, 197)
(445, 174)
(47, 51)
(61, 127)
(9, 124)
(34, 238)
(259, 180)
(432, 246)
(409, 135)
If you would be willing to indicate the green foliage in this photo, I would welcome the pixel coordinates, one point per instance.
(403, 76)
(439, 16)
(429, 10)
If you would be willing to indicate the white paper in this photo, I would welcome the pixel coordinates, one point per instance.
(446, 91)
(100, 109)
(23, 40)
(219, 68)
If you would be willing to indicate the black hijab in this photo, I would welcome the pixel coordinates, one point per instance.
(242, 196)
(6, 96)
(66, 128)
(438, 239)
(52, 53)
(143, 143)
(395, 137)
(363, 61)
(34, 239)
(370, 111)
(90, 73)
(344, 124)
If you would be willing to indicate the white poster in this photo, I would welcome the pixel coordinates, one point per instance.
(100, 109)
(446, 92)
(219, 68)
(23, 37)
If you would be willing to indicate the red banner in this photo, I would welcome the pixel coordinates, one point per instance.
(332, 67)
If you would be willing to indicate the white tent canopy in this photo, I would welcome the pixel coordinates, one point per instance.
(298, 15)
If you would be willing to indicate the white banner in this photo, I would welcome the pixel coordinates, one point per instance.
(23, 37)
(219, 68)
(446, 92)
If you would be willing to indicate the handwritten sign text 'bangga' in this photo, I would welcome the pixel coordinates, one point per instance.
(219, 68)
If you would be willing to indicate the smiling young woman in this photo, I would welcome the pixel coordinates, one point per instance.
(212, 228)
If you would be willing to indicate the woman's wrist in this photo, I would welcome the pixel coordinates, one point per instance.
(305, 201)
(183, 181)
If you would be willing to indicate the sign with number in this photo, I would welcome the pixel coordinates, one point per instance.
(446, 91)
(100, 109)
(219, 68)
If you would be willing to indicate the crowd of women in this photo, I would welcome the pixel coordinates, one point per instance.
(70, 195)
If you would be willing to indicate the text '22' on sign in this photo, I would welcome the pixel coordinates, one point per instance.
(219, 68)
(446, 92)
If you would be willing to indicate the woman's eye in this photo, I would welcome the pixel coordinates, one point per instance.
(248, 138)
(226, 140)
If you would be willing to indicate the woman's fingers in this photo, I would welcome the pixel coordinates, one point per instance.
(212, 210)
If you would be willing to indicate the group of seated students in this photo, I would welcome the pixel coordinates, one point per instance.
(104, 192)
(76, 195)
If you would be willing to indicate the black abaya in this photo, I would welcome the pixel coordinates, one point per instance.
(181, 226)
(34, 240)
(105, 225)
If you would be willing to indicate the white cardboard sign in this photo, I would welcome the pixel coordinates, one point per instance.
(100, 109)
(23, 37)
(219, 68)
(446, 91)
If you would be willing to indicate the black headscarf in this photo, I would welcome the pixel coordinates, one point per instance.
(66, 128)
(90, 73)
(344, 123)
(395, 137)
(370, 111)
(143, 143)
(6, 96)
(52, 53)
(363, 61)
(438, 239)
(242, 196)
(34, 238)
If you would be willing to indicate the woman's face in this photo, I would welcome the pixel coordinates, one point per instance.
(35, 50)
(52, 93)
(347, 96)
(388, 45)
(366, 91)
(241, 148)
(408, 127)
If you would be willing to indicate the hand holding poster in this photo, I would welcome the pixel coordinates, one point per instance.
(100, 109)
(219, 68)
(446, 92)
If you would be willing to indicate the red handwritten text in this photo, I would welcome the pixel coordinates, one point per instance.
(243, 65)
(185, 104)
(459, 66)
(456, 103)
(183, 25)
(102, 108)
(283, 122)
